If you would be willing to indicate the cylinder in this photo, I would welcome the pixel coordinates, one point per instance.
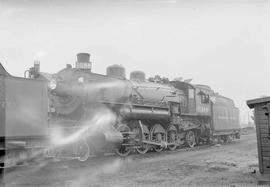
(99, 140)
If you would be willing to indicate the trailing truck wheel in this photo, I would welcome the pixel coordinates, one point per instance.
(83, 151)
(190, 139)
(172, 137)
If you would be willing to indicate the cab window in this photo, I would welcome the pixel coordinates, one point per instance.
(205, 98)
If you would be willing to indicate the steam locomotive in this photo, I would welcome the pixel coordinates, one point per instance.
(76, 112)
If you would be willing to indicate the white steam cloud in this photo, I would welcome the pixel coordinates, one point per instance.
(102, 121)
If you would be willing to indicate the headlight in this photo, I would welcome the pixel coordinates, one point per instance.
(80, 79)
(52, 84)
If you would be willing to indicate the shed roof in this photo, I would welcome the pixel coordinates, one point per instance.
(251, 103)
(3, 71)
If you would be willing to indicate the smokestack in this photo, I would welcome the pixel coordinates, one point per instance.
(83, 61)
(83, 57)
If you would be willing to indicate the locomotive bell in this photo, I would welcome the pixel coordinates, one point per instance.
(83, 62)
(52, 84)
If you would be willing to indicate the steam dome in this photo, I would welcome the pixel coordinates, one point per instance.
(137, 76)
(116, 71)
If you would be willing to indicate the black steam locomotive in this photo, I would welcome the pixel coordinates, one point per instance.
(81, 113)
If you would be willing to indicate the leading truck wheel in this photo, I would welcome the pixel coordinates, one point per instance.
(190, 139)
(123, 151)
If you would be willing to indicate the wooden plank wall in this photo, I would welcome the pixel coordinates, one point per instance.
(263, 138)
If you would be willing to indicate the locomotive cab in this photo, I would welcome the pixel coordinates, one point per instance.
(188, 97)
(203, 103)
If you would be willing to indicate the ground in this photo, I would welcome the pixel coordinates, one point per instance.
(232, 164)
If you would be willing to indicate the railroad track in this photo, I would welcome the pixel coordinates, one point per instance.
(108, 156)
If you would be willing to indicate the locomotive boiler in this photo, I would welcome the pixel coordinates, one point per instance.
(76, 94)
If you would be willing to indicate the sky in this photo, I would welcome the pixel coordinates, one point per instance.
(224, 44)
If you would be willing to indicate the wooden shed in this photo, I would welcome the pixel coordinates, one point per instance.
(262, 114)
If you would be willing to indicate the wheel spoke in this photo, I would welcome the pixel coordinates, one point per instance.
(142, 149)
(159, 138)
(190, 139)
(158, 134)
(141, 134)
(172, 137)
